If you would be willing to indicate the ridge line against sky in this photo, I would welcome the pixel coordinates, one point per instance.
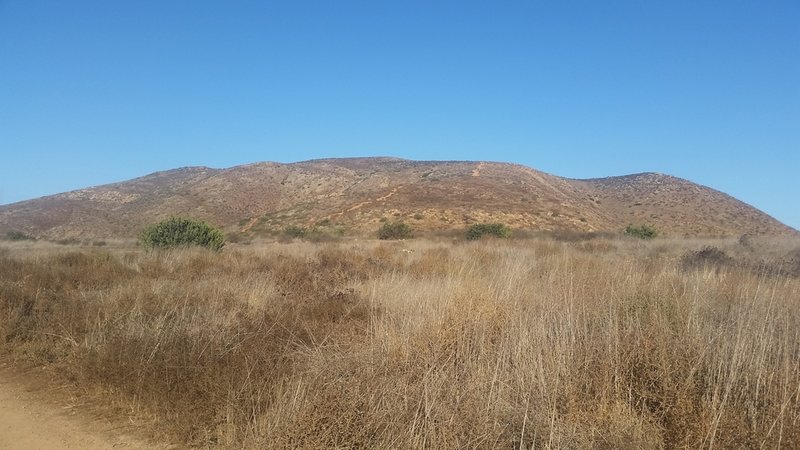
(95, 92)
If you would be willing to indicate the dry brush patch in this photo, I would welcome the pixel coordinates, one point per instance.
(540, 343)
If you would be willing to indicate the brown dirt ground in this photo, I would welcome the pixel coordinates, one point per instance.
(32, 416)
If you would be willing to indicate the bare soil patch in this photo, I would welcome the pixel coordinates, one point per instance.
(34, 415)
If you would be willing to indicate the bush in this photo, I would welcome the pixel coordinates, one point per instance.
(181, 232)
(324, 223)
(19, 236)
(68, 241)
(238, 237)
(295, 232)
(792, 263)
(641, 232)
(708, 256)
(479, 230)
(394, 230)
(316, 233)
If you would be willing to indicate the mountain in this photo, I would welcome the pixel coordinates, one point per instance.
(358, 193)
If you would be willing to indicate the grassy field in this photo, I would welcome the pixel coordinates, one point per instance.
(532, 343)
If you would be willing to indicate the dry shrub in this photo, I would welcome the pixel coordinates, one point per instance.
(576, 236)
(706, 257)
(792, 262)
(543, 248)
(432, 263)
(597, 246)
(520, 344)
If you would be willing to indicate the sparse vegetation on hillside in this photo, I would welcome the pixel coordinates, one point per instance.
(580, 344)
(262, 199)
(181, 232)
(394, 230)
(641, 232)
(496, 230)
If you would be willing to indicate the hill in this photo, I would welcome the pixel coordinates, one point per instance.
(358, 193)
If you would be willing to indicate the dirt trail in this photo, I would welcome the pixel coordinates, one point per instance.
(249, 225)
(365, 203)
(28, 420)
(394, 191)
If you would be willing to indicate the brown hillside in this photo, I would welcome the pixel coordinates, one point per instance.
(357, 193)
(679, 206)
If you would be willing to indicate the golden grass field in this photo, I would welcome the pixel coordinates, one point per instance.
(529, 343)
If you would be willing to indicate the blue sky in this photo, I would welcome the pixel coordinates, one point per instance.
(97, 92)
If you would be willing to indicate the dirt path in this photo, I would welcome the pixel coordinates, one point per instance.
(28, 420)
(249, 225)
(365, 203)
(394, 191)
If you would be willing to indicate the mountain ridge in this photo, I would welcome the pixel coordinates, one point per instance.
(359, 193)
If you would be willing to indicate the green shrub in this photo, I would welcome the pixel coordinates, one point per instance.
(641, 232)
(479, 230)
(394, 230)
(181, 232)
(19, 236)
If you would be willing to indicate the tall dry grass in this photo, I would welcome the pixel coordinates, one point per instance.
(527, 344)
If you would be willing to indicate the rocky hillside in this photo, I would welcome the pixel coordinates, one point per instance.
(356, 194)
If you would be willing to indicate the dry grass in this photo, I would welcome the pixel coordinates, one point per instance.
(523, 344)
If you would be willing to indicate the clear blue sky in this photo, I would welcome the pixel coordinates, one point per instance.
(93, 92)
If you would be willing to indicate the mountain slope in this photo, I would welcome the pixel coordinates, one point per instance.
(672, 203)
(357, 193)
